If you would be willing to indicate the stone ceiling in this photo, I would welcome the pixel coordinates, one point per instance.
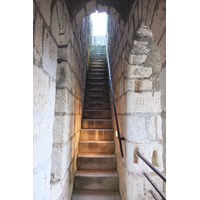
(121, 6)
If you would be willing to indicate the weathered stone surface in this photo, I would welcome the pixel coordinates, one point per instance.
(41, 181)
(62, 101)
(114, 14)
(45, 9)
(40, 90)
(152, 126)
(64, 76)
(159, 127)
(136, 129)
(140, 47)
(49, 55)
(79, 17)
(64, 53)
(62, 128)
(137, 59)
(137, 71)
(137, 85)
(91, 7)
(102, 8)
(55, 24)
(147, 102)
(38, 38)
(61, 159)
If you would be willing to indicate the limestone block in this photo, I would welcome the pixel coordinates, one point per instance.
(152, 127)
(146, 102)
(40, 90)
(123, 104)
(144, 33)
(79, 17)
(101, 8)
(55, 24)
(62, 128)
(62, 101)
(134, 187)
(162, 78)
(64, 53)
(41, 182)
(64, 75)
(153, 152)
(140, 47)
(159, 127)
(121, 25)
(61, 17)
(137, 85)
(114, 14)
(91, 7)
(38, 28)
(42, 138)
(55, 190)
(136, 129)
(61, 159)
(45, 9)
(137, 59)
(49, 55)
(137, 71)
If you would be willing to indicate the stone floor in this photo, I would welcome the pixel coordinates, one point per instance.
(95, 195)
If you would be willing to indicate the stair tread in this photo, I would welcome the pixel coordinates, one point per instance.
(97, 129)
(96, 173)
(95, 155)
(96, 141)
(95, 195)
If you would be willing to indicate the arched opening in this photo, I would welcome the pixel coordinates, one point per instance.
(61, 42)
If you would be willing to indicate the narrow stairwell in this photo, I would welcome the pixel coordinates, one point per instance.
(96, 177)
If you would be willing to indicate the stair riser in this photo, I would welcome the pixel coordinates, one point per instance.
(95, 86)
(95, 92)
(96, 124)
(94, 76)
(96, 147)
(96, 163)
(103, 81)
(97, 135)
(97, 106)
(97, 99)
(96, 183)
(97, 63)
(106, 114)
(97, 70)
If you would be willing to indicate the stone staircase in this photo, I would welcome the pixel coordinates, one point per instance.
(96, 177)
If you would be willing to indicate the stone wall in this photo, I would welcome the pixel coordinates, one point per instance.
(137, 59)
(60, 61)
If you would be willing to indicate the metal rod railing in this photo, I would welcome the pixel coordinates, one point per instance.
(161, 175)
(154, 195)
(111, 88)
(155, 186)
